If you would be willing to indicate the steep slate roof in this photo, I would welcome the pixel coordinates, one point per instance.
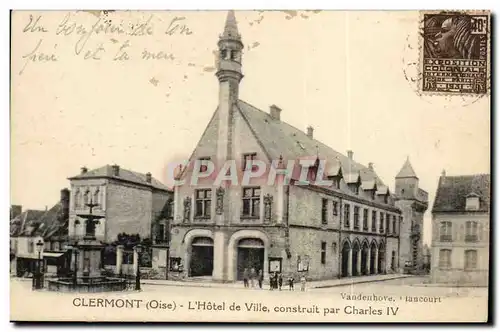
(28, 217)
(125, 174)
(407, 170)
(40, 223)
(279, 138)
(453, 190)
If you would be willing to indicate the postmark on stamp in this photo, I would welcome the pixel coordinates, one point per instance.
(455, 52)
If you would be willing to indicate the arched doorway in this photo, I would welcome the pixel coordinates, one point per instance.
(345, 259)
(355, 253)
(250, 255)
(364, 259)
(381, 258)
(373, 256)
(202, 257)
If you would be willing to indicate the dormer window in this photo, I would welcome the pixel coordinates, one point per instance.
(248, 160)
(472, 202)
(203, 163)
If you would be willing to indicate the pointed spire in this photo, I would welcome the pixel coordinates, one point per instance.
(231, 27)
(407, 170)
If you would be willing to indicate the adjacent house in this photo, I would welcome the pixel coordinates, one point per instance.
(461, 230)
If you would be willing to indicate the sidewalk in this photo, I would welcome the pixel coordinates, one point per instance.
(310, 284)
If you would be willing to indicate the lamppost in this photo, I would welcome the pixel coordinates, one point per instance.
(138, 249)
(38, 274)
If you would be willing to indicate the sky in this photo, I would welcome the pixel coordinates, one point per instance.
(78, 100)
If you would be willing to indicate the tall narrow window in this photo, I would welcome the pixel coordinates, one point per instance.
(335, 208)
(97, 198)
(347, 216)
(445, 258)
(203, 203)
(203, 163)
(161, 233)
(374, 221)
(470, 259)
(388, 223)
(445, 231)
(356, 217)
(323, 252)
(248, 158)
(381, 226)
(251, 202)
(471, 234)
(31, 247)
(77, 199)
(365, 219)
(324, 211)
(394, 229)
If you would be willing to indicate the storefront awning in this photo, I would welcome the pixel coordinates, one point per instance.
(52, 254)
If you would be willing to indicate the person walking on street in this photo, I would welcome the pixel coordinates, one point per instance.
(261, 278)
(271, 281)
(290, 283)
(252, 277)
(245, 277)
(280, 281)
(303, 283)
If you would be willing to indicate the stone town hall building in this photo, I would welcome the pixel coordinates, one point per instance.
(353, 227)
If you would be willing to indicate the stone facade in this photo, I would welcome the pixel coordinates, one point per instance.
(347, 228)
(461, 233)
(127, 202)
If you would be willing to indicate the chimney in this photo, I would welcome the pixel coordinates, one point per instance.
(275, 112)
(443, 173)
(350, 154)
(310, 131)
(148, 177)
(84, 170)
(116, 170)
(370, 166)
(65, 203)
(15, 210)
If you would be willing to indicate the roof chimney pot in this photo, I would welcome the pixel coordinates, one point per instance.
(310, 132)
(275, 112)
(350, 154)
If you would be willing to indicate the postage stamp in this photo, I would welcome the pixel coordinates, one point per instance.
(455, 52)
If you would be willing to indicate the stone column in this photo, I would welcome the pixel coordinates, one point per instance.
(359, 263)
(375, 263)
(136, 260)
(368, 260)
(119, 259)
(349, 264)
(220, 252)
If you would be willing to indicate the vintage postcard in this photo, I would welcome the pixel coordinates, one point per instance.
(250, 166)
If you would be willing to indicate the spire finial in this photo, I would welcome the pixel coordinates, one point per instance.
(231, 27)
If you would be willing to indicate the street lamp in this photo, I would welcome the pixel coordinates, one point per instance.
(38, 278)
(138, 249)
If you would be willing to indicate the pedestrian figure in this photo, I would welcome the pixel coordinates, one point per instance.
(261, 278)
(252, 277)
(280, 281)
(271, 281)
(245, 277)
(290, 283)
(303, 283)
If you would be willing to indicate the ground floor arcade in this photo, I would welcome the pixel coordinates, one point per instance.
(224, 254)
